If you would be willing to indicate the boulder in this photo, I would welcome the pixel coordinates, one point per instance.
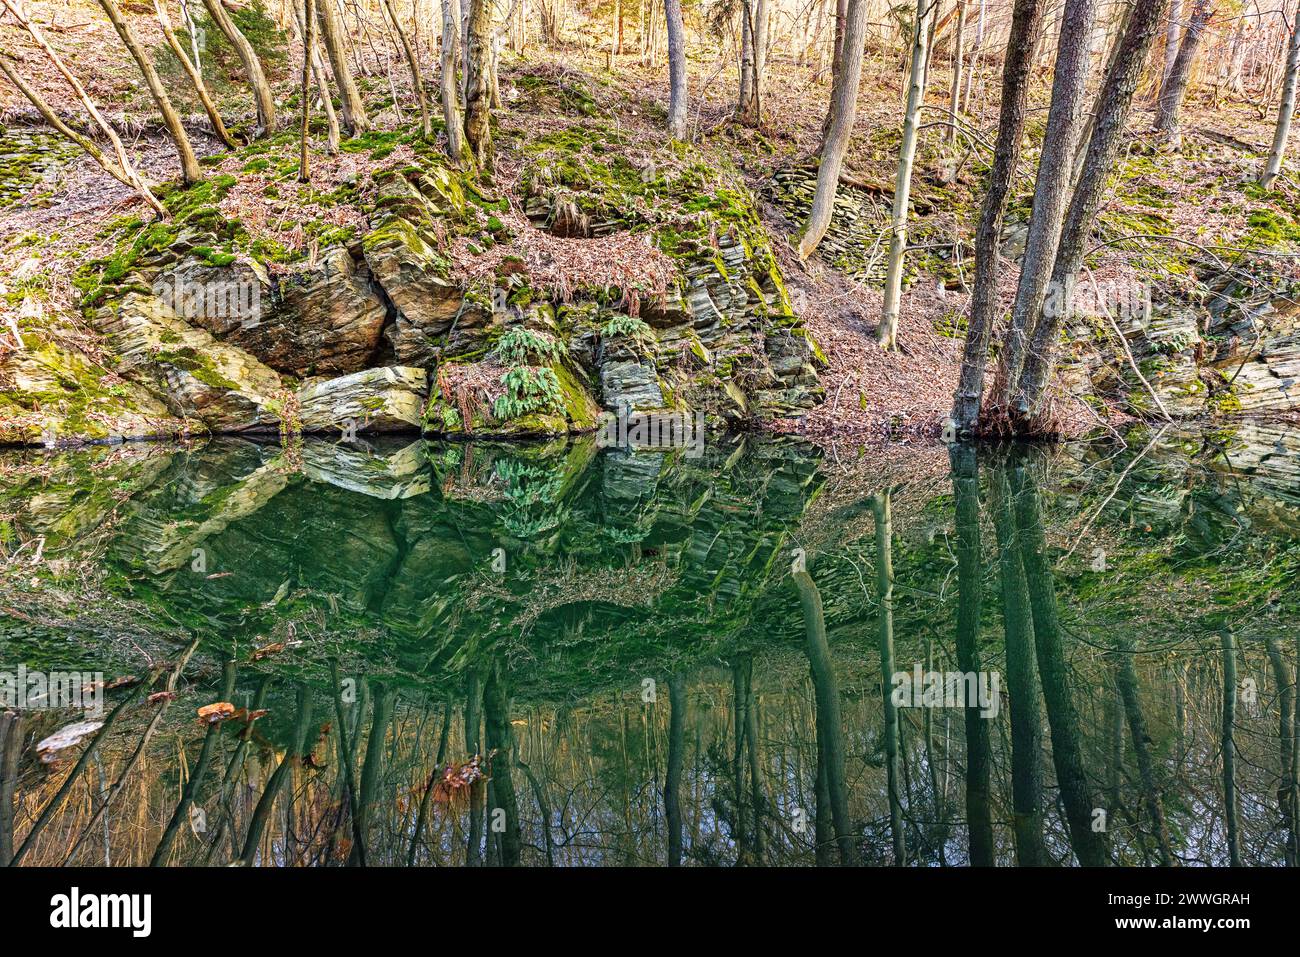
(389, 399)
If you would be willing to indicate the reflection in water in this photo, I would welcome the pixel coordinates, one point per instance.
(474, 655)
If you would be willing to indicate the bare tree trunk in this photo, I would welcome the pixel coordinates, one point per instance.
(1273, 168)
(1025, 19)
(322, 84)
(1113, 103)
(745, 106)
(414, 63)
(1051, 193)
(1174, 90)
(1173, 32)
(192, 71)
(355, 121)
(191, 172)
(958, 50)
(262, 96)
(677, 94)
(449, 89)
(887, 333)
(308, 43)
(478, 87)
(123, 170)
(840, 120)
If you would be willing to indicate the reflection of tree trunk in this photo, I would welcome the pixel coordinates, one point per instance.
(1287, 785)
(1137, 728)
(11, 744)
(747, 745)
(500, 738)
(544, 809)
(1113, 718)
(61, 795)
(823, 824)
(262, 812)
(740, 675)
(830, 732)
(348, 758)
(1228, 745)
(372, 772)
(1067, 756)
(1022, 687)
(196, 776)
(673, 781)
(938, 788)
(473, 717)
(436, 773)
(966, 489)
(885, 590)
(120, 784)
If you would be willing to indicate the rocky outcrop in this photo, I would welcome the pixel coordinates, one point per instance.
(382, 333)
(324, 319)
(202, 378)
(53, 394)
(432, 316)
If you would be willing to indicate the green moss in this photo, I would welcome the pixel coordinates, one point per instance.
(1270, 228)
(196, 364)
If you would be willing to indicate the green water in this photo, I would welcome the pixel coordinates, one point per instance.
(660, 659)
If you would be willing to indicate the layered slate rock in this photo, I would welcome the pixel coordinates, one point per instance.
(432, 315)
(390, 332)
(325, 319)
(53, 393)
(201, 377)
(374, 400)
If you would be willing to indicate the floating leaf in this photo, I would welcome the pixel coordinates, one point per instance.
(267, 651)
(64, 738)
(249, 716)
(218, 711)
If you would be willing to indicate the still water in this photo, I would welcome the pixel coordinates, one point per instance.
(554, 654)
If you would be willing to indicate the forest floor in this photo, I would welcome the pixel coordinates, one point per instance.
(1193, 199)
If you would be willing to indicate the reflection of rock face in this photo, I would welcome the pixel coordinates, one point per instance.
(357, 468)
(399, 540)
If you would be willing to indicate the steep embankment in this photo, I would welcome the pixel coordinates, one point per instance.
(394, 292)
